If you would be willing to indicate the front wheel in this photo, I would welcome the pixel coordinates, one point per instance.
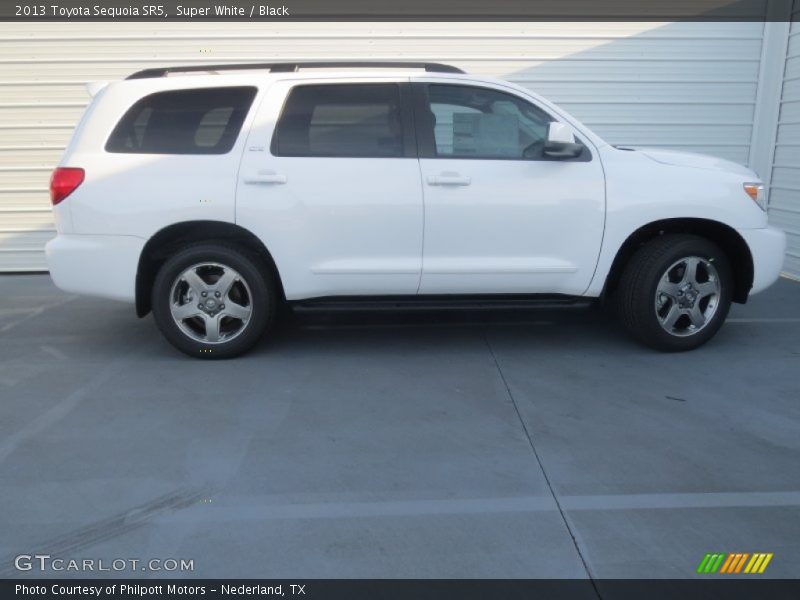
(213, 300)
(675, 292)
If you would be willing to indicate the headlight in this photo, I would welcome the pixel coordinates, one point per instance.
(756, 192)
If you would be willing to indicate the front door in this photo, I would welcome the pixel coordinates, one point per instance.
(500, 216)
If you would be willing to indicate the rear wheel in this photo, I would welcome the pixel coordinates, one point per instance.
(213, 300)
(675, 292)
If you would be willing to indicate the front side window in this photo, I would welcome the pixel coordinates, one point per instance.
(348, 120)
(473, 122)
(198, 121)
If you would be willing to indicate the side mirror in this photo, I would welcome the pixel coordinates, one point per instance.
(560, 142)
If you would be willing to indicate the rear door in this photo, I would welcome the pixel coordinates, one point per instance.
(330, 182)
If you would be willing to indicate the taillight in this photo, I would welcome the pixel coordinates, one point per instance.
(63, 182)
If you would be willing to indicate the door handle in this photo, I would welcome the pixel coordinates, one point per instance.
(449, 179)
(265, 177)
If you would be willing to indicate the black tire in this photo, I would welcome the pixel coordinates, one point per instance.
(635, 297)
(259, 294)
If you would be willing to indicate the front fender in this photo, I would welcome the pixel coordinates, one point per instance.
(641, 191)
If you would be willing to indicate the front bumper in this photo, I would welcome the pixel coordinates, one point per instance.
(95, 265)
(768, 248)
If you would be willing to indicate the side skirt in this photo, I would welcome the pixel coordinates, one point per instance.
(440, 302)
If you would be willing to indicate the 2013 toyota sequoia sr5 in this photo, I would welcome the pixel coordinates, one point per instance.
(212, 195)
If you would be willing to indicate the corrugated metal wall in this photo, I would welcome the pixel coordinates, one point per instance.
(784, 201)
(678, 85)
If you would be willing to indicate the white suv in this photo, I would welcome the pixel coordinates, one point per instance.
(212, 195)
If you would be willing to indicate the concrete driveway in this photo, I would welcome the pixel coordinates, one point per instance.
(543, 444)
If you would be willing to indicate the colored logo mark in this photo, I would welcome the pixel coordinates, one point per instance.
(735, 562)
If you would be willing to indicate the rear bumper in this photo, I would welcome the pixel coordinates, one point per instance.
(768, 248)
(95, 265)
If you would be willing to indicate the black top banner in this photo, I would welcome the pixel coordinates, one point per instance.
(394, 10)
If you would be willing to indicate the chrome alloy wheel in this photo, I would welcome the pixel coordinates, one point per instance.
(687, 296)
(211, 303)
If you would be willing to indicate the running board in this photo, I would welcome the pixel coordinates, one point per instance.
(440, 302)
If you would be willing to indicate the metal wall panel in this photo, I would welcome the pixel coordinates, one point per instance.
(784, 193)
(687, 86)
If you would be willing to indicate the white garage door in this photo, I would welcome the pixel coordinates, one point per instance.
(678, 85)
(784, 201)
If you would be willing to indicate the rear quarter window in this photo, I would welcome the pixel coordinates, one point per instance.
(196, 121)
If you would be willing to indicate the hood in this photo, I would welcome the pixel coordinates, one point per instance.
(697, 161)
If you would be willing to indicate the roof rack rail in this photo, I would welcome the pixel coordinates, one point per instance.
(291, 67)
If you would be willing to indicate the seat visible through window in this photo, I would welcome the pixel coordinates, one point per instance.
(348, 120)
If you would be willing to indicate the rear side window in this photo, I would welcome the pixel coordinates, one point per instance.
(199, 121)
(348, 120)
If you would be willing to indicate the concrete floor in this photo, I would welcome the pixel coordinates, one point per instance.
(544, 444)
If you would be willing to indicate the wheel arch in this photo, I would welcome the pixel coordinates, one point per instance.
(168, 240)
(724, 236)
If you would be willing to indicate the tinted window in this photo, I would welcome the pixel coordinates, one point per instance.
(201, 121)
(473, 122)
(341, 120)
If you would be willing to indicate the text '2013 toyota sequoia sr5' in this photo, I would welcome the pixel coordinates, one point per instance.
(212, 195)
